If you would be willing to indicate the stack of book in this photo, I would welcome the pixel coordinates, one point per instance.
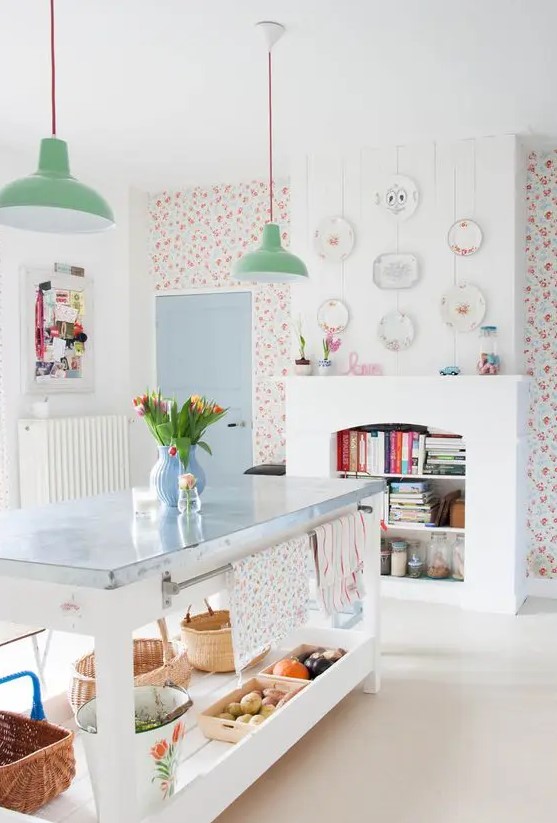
(445, 454)
(412, 502)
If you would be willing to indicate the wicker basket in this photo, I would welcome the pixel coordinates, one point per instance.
(36, 758)
(155, 662)
(208, 640)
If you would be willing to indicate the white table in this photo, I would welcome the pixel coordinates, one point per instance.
(89, 567)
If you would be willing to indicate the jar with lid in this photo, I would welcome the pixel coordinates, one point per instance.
(439, 557)
(386, 552)
(488, 362)
(458, 557)
(399, 558)
(415, 564)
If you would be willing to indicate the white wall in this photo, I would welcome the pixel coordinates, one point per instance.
(482, 179)
(105, 259)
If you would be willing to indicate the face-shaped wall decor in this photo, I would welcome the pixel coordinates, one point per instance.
(399, 196)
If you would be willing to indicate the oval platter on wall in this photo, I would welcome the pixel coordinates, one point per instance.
(395, 271)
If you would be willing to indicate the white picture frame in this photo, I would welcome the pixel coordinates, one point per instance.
(31, 277)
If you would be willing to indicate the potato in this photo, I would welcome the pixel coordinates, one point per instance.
(251, 703)
(266, 711)
(226, 716)
(234, 709)
(245, 718)
(257, 719)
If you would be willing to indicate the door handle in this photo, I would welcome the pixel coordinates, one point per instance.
(240, 425)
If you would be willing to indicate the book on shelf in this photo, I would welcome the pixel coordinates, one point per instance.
(399, 450)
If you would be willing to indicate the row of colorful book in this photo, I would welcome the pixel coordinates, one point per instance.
(400, 451)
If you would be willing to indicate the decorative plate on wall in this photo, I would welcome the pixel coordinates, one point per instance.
(399, 197)
(463, 307)
(395, 271)
(396, 331)
(332, 316)
(334, 239)
(465, 237)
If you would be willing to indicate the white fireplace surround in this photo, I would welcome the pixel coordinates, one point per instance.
(489, 412)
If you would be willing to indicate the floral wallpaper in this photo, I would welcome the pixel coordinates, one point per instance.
(541, 360)
(195, 235)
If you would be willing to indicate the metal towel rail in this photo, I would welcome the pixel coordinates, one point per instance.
(170, 588)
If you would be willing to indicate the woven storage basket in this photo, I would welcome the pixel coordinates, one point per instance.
(208, 640)
(36, 758)
(154, 663)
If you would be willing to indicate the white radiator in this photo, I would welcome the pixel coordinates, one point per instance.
(69, 457)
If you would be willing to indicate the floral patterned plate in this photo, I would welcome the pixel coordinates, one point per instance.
(396, 331)
(334, 239)
(463, 307)
(332, 316)
(465, 237)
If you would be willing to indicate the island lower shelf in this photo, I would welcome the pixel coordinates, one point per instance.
(212, 774)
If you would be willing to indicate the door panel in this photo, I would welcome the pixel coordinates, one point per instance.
(204, 347)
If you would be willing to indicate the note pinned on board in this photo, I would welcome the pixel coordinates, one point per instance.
(65, 313)
(58, 348)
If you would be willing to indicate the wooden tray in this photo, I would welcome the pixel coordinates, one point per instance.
(215, 728)
(268, 670)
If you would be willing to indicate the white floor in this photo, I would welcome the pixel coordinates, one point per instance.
(463, 731)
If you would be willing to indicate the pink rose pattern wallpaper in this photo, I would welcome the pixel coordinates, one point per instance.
(194, 237)
(541, 360)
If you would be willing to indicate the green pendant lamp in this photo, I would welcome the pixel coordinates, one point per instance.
(270, 263)
(51, 200)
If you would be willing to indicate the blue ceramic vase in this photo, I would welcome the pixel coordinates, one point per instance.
(164, 477)
(166, 471)
(197, 470)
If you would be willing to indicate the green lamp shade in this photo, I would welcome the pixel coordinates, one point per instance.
(51, 200)
(270, 263)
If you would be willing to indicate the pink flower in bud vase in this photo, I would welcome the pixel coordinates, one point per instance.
(187, 481)
(173, 451)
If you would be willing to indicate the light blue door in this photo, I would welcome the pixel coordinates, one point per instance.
(204, 347)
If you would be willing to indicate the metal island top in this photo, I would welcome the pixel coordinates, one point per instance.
(98, 543)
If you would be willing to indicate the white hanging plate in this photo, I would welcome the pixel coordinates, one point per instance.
(332, 316)
(334, 239)
(395, 271)
(399, 197)
(396, 331)
(463, 307)
(465, 237)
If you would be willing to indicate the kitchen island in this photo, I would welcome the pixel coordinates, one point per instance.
(90, 567)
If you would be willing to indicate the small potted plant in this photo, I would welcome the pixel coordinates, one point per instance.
(330, 346)
(303, 365)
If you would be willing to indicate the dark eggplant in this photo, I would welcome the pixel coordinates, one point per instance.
(321, 666)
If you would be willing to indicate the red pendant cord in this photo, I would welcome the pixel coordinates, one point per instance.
(52, 69)
(270, 137)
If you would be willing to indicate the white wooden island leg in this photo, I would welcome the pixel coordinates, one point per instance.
(117, 798)
(371, 603)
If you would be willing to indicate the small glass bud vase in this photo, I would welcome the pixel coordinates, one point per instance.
(189, 501)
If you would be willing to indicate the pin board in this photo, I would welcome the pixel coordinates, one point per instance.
(57, 331)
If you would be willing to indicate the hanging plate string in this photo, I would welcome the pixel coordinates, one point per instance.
(52, 70)
(271, 193)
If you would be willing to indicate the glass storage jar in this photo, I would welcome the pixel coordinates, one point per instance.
(439, 557)
(386, 552)
(488, 362)
(399, 558)
(458, 557)
(415, 565)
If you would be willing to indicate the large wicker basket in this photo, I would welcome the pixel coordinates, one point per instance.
(208, 640)
(36, 758)
(154, 663)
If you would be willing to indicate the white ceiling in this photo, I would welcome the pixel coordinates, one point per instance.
(170, 91)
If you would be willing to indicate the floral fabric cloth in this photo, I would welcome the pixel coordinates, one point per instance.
(269, 596)
(339, 548)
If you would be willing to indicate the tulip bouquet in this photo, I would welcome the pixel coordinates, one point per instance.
(179, 429)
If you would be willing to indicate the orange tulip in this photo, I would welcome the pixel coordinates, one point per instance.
(178, 732)
(159, 749)
(217, 409)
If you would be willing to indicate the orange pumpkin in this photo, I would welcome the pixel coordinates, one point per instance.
(291, 668)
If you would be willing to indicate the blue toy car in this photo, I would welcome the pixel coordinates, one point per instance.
(450, 370)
